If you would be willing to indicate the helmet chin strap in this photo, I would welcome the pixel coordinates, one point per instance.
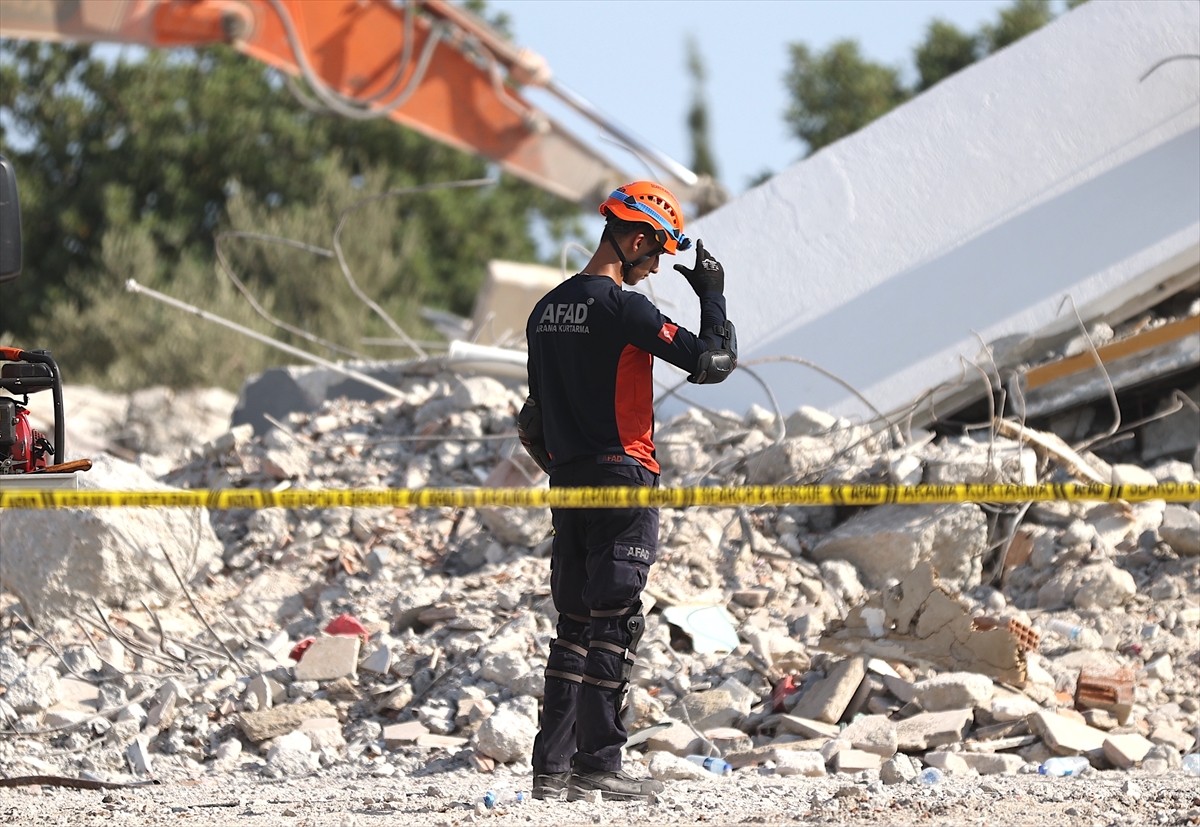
(626, 264)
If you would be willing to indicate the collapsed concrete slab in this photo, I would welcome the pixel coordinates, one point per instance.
(959, 222)
(919, 621)
(889, 540)
(55, 561)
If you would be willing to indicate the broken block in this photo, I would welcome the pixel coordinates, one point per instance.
(1108, 689)
(924, 623)
(1127, 750)
(1066, 736)
(828, 699)
(926, 730)
(335, 656)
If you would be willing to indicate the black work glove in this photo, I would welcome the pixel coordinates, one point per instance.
(707, 276)
(529, 431)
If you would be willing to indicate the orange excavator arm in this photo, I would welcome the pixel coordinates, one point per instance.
(430, 66)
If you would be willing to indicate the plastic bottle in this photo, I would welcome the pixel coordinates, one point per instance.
(1067, 630)
(716, 766)
(1062, 765)
(1078, 636)
(930, 776)
(489, 799)
(1191, 763)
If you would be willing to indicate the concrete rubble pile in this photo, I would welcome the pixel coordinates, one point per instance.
(787, 640)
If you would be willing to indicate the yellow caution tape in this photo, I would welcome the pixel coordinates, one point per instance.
(750, 495)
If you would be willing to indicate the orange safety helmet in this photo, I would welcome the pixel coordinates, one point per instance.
(646, 202)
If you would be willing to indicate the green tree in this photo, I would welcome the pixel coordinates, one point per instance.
(945, 50)
(128, 168)
(710, 194)
(838, 91)
(703, 162)
(1016, 21)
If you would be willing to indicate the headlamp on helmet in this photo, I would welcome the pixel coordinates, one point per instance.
(646, 202)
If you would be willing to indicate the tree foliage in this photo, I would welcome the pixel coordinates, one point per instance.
(945, 50)
(1016, 21)
(839, 91)
(129, 167)
(703, 162)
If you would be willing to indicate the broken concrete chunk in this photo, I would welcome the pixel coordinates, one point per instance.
(329, 657)
(504, 668)
(727, 739)
(138, 755)
(898, 769)
(993, 763)
(827, 699)
(1126, 750)
(751, 598)
(1174, 737)
(926, 624)
(904, 691)
(1067, 736)
(11, 665)
(705, 710)
(887, 540)
(323, 733)
(667, 766)
(962, 459)
(506, 736)
(808, 763)
(1180, 529)
(953, 690)
(954, 763)
(408, 732)
(855, 760)
(1101, 586)
(790, 458)
(1010, 706)
(806, 727)
(292, 755)
(270, 723)
(435, 741)
(56, 560)
(34, 690)
(162, 713)
(926, 730)
(872, 733)
(678, 739)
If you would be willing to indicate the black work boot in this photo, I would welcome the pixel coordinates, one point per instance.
(613, 786)
(550, 786)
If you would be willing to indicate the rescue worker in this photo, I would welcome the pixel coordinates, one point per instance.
(589, 421)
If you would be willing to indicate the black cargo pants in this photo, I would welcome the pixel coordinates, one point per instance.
(600, 560)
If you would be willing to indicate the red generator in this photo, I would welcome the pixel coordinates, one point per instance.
(24, 449)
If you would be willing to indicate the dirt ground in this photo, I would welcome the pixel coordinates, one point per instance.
(444, 796)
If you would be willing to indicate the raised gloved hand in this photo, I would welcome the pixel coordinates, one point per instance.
(707, 276)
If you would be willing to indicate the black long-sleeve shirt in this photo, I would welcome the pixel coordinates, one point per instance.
(591, 353)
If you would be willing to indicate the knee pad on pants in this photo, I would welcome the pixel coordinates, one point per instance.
(568, 651)
(612, 649)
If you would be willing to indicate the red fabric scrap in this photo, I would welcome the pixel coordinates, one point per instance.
(347, 624)
(300, 648)
(780, 692)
